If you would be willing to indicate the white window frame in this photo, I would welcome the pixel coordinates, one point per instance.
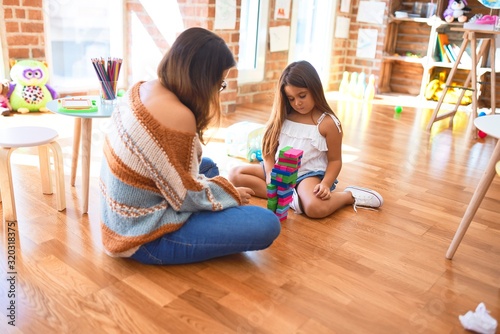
(116, 18)
(322, 66)
(256, 74)
(4, 63)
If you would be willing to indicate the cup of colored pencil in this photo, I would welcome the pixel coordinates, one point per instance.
(107, 72)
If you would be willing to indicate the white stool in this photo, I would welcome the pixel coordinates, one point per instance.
(491, 126)
(30, 136)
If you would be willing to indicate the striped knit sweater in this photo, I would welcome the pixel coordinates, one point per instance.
(149, 181)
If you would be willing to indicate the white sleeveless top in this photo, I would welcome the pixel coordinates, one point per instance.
(306, 137)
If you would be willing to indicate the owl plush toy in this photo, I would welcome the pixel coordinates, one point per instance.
(29, 89)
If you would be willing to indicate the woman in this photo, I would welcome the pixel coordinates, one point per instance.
(161, 203)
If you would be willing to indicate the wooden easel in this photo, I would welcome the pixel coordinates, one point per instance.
(470, 36)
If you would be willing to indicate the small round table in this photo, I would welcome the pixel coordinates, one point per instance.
(83, 131)
(491, 126)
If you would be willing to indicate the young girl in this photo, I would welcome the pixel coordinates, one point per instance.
(302, 118)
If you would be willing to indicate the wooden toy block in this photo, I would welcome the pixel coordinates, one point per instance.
(271, 187)
(294, 153)
(283, 216)
(281, 211)
(294, 162)
(284, 201)
(281, 171)
(284, 149)
(293, 165)
(282, 168)
(285, 192)
(280, 184)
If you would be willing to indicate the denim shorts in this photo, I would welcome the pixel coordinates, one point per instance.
(319, 173)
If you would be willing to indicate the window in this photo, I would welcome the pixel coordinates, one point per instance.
(312, 33)
(4, 71)
(253, 39)
(164, 21)
(76, 32)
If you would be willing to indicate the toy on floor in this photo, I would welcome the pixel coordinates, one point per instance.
(283, 180)
(29, 89)
(5, 107)
(244, 140)
(480, 133)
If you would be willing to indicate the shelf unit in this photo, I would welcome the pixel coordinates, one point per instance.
(431, 67)
(408, 62)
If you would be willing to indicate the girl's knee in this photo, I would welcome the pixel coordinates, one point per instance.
(233, 175)
(313, 210)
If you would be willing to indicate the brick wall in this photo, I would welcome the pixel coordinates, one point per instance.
(275, 63)
(344, 50)
(24, 30)
(197, 13)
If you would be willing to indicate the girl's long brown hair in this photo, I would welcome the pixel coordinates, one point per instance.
(299, 74)
(192, 69)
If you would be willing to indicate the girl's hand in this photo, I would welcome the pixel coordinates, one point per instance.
(245, 194)
(322, 191)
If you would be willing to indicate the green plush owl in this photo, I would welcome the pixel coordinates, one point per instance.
(29, 90)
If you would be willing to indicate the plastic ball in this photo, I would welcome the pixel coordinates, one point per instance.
(482, 113)
(398, 109)
(121, 92)
(481, 134)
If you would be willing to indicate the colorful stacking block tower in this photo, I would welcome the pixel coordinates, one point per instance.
(283, 180)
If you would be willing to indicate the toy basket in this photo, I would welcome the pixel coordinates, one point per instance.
(244, 140)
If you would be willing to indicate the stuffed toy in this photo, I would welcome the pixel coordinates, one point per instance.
(456, 11)
(30, 91)
(5, 107)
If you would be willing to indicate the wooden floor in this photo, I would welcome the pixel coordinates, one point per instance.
(367, 272)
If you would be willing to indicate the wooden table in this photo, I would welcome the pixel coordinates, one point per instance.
(83, 133)
(491, 126)
(470, 36)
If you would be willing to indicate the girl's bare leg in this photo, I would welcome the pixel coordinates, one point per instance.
(315, 207)
(251, 176)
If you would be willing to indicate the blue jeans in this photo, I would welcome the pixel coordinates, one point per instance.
(210, 234)
(208, 167)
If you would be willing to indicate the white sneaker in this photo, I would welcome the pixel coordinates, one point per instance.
(294, 204)
(364, 197)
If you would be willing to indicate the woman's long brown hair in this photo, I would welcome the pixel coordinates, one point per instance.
(192, 69)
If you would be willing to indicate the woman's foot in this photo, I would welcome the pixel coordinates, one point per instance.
(364, 197)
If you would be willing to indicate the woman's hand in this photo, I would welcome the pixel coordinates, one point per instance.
(322, 191)
(245, 194)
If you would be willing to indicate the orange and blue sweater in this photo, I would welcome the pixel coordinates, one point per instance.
(149, 182)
